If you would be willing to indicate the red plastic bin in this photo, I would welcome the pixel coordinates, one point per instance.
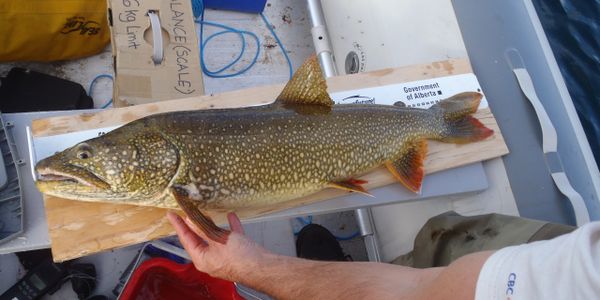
(160, 278)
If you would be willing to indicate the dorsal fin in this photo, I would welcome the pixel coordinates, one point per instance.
(307, 87)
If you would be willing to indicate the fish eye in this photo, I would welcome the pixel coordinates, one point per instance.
(84, 151)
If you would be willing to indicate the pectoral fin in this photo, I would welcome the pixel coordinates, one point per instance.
(203, 222)
(307, 87)
(408, 167)
(351, 185)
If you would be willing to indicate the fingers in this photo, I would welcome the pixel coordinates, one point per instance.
(195, 228)
(234, 223)
(192, 243)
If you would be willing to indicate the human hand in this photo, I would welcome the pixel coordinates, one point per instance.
(228, 261)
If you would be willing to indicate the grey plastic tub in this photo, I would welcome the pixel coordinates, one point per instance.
(491, 29)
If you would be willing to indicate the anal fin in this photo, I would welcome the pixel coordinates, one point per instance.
(203, 222)
(408, 167)
(351, 185)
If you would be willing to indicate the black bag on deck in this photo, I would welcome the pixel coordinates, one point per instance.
(25, 90)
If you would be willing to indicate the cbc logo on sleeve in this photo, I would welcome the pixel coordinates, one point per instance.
(510, 284)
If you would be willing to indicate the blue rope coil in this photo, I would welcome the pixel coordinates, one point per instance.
(93, 82)
(198, 8)
(241, 33)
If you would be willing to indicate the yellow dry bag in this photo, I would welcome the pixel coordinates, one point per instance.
(49, 30)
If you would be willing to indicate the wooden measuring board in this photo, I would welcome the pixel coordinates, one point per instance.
(81, 228)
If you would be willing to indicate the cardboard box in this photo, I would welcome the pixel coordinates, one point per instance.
(138, 79)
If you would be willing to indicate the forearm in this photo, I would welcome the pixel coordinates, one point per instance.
(292, 278)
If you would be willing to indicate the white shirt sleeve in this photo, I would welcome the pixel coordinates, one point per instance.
(566, 267)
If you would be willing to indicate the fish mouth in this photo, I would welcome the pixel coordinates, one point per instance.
(50, 176)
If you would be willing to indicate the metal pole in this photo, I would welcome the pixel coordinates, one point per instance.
(321, 38)
(364, 218)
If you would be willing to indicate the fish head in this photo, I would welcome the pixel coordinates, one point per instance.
(126, 166)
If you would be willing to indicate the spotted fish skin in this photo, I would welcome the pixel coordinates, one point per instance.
(258, 156)
(227, 159)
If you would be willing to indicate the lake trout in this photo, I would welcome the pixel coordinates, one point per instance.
(229, 159)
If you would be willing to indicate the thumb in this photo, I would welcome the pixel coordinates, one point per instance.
(234, 223)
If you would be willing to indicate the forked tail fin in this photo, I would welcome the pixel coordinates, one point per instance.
(459, 126)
